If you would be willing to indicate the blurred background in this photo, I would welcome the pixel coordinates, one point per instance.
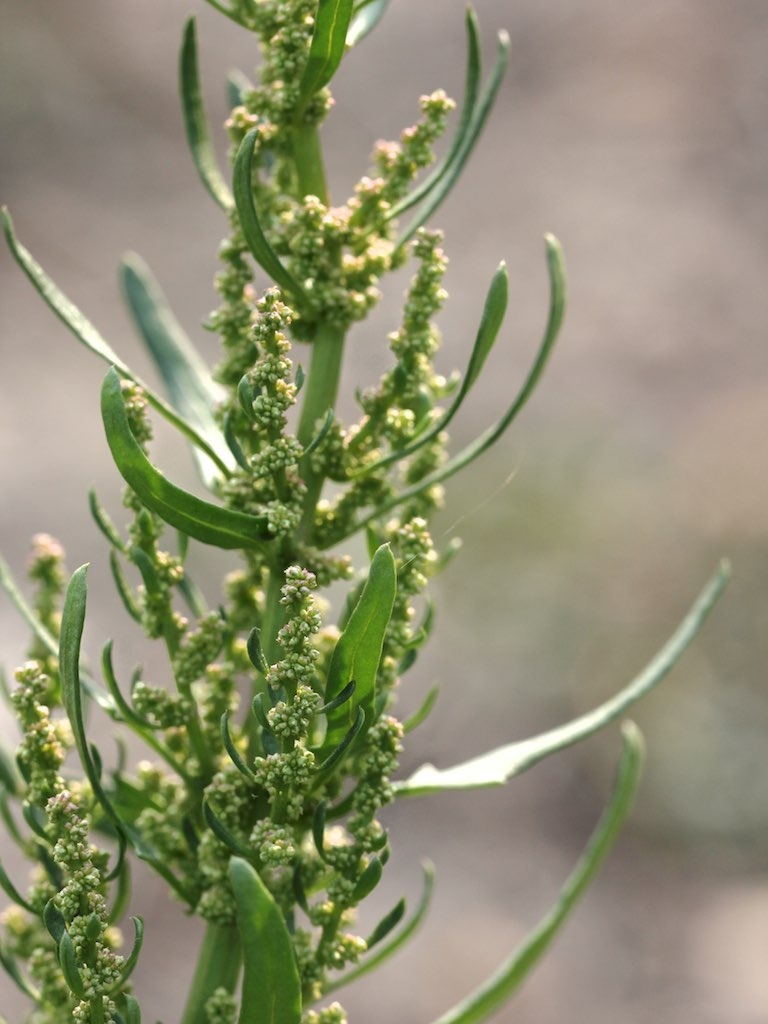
(637, 134)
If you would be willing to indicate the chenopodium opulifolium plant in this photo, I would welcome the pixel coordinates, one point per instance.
(274, 742)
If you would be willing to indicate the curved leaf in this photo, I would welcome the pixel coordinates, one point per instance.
(130, 964)
(497, 989)
(357, 653)
(195, 121)
(271, 991)
(262, 251)
(498, 766)
(449, 176)
(468, 110)
(365, 17)
(72, 621)
(187, 379)
(11, 968)
(211, 524)
(86, 333)
(491, 320)
(329, 40)
(399, 940)
(13, 893)
(477, 448)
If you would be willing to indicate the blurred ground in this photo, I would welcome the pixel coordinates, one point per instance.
(636, 133)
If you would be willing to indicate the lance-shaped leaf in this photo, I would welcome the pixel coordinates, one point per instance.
(46, 638)
(449, 176)
(271, 992)
(499, 987)
(195, 121)
(130, 964)
(72, 621)
(490, 323)
(357, 653)
(384, 952)
(262, 251)
(498, 766)
(468, 110)
(211, 524)
(365, 17)
(11, 968)
(12, 892)
(86, 333)
(478, 447)
(329, 40)
(128, 1009)
(186, 378)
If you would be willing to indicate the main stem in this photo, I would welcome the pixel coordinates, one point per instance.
(218, 966)
(321, 390)
(220, 955)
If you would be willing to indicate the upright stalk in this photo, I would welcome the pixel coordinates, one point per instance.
(321, 390)
(218, 966)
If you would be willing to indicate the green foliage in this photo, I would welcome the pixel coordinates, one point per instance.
(273, 734)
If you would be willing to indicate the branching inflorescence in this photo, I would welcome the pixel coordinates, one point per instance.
(272, 744)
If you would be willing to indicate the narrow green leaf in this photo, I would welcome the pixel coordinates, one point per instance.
(86, 333)
(122, 894)
(271, 992)
(130, 964)
(129, 1008)
(72, 621)
(320, 435)
(387, 924)
(211, 524)
(262, 251)
(480, 112)
(424, 711)
(339, 699)
(468, 110)
(333, 760)
(490, 323)
(329, 40)
(357, 653)
(123, 587)
(478, 447)
(104, 523)
(397, 942)
(69, 968)
(53, 919)
(498, 766)
(365, 18)
(233, 444)
(222, 833)
(121, 704)
(186, 378)
(12, 892)
(368, 881)
(256, 651)
(228, 12)
(11, 968)
(49, 641)
(195, 121)
(9, 773)
(499, 987)
(235, 756)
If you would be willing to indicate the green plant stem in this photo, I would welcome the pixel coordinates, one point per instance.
(321, 389)
(308, 158)
(218, 966)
